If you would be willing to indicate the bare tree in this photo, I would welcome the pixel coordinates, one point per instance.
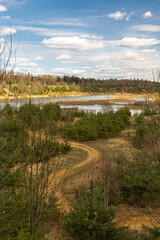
(7, 63)
(44, 175)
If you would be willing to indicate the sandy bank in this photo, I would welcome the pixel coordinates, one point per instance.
(116, 97)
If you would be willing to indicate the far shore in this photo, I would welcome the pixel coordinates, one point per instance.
(124, 97)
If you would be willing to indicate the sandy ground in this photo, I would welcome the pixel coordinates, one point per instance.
(135, 217)
(122, 96)
(93, 156)
(10, 96)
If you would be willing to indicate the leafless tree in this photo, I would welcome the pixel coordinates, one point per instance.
(44, 174)
(7, 54)
(7, 63)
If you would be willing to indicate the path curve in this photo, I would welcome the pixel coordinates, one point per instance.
(92, 156)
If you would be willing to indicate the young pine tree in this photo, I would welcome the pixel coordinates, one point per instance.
(89, 217)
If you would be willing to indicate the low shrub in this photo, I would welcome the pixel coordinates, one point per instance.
(102, 125)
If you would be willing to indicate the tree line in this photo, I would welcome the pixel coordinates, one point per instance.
(26, 84)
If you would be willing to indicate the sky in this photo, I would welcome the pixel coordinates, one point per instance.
(99, 39)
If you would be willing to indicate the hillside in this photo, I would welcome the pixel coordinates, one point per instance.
(26, 85)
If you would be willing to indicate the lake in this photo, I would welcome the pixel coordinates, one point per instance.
(90, 108)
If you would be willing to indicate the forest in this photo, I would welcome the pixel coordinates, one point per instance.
(34, 169)
(23, 85)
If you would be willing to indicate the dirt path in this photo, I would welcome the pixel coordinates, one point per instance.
(93, 156)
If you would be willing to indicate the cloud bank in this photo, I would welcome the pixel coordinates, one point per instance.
(73, 43)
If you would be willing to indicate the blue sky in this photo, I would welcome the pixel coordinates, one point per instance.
(87, 38)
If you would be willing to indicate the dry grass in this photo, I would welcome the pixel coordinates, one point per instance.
(74, 157)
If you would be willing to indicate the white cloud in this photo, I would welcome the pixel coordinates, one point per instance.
(3, 8)
(13, 3)
(146, 28)
(148, 50)
(99, 58)
(90, 36)
(31, 64)
(25, 65)
(137, 42)
(127, 65)
(120, 57)
(6, 17)
(8, 31)
(147, 14)
(124, 63)
(2, 40)
(69, 71)
(73, 43)
(56, 32)
(128, 17)
(110, 62)
(63, 57)
(64, 21)
(34, 70)
(117, 15)
(24, 62)
(44, 31)
(39, 58)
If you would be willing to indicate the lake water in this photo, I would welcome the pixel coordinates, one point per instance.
(90, 108)
(100, 108)
(19, 102)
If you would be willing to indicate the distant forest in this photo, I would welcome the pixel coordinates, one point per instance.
(49, 85)
(113, 85)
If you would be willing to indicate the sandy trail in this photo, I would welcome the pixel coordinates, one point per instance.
(93, 156)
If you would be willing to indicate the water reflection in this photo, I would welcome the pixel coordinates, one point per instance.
(19, 102)
(88, 108)
(100, 108)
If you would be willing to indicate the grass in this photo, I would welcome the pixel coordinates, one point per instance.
(80, 178)
(75, 156)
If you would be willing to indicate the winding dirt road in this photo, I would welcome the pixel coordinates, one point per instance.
(58, 179)
(93, 156)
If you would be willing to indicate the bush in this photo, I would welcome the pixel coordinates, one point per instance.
(89, 217)
(36, 118)
(151, 233)
(102, 125)
(149, 111)
(69, 115)
(51, 112)
(12, 140)
(7, 111)
(28, 114)
(140, 183)
(147, 132)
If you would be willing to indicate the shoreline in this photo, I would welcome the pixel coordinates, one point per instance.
(121, 96)
(67, 94)
(135, 105)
